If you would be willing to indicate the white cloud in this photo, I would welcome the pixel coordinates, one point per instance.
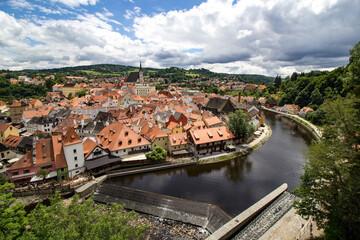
(19, 4)
(247, 36)
(76, 3)
(132, 13)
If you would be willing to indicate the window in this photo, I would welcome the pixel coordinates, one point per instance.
(75, 158)
(74, 150)
(26, 170)
(76, 165)
(15, 173)
(124, 150)
(62, 169)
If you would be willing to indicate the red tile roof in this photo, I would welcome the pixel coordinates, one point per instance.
(71, 137)
(211, 135)
(4, 126)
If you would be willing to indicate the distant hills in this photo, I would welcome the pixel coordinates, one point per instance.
(173, 74)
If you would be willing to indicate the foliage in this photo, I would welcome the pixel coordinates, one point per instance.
(81, 221)
(9, 92)
(81, 93)
(12, 215)
(156, 155)
(330, 187)
(239, 125)
(42, 173)
(277, 82)
(3, 179)
(70, 96)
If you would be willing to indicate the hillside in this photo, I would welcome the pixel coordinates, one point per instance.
(173, 74)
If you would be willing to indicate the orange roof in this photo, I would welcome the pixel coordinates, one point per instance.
(4, 126)
(178, 139)
(89, 146)
(59, 155)
(117, 136)
(153, 133)
(44, 153)
(38, 112)
(71, 137)
(12, 141)
(212, 121)
(211, 135)
(63, 126)
(172, 125)
(24, 162)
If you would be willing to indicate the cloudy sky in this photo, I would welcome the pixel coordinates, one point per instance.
(244, 36)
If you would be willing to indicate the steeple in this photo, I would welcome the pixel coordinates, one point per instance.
(140, 67)
(141, 77)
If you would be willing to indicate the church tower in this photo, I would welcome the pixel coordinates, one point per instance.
(141, 77)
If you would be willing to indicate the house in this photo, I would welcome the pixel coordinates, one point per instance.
(261, 88)
(126, 100)
(250, 87)
(193, 117)
(35, 103)
(98, 159)
(54, 96)
(178, 117)
(6, 153)
(57, 87)
(304, 111)
(41, 124)
(213, 122)
(120, 140)
(74, 153)
(142, 89)
(156, 136)
(71, 89)
(62, 157)
(3, 106)
(16, 110)
(218, 105)
(37, 112)
(12, 142)
(179, 145)
(63, 127)
(7, 129)
(210, 140)
(291, 108)
(271, 103)
(174, 127)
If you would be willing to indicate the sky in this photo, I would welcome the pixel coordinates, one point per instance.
(274, 37)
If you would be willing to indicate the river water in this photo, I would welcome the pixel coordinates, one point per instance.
(236, 184)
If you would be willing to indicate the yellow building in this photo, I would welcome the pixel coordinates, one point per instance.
(174, 128)
(71, 88)
(156, 136)
(7, 129)
(178, 143)
(16, 110)
(3, 106)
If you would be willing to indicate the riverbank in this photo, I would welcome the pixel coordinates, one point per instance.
(317, 133)
(241, 149)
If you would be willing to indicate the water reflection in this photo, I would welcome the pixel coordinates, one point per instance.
(236, 184)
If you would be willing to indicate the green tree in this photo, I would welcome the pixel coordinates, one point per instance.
(277, 82)
(156, 155)
(352, 80)
(49, 83)
(42, 173)
(12, 215)
(316, 98)
(330, 188)
(81, 93)
(239, 125)
(81, 221)
(70, 96)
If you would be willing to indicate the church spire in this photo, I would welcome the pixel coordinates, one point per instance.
(140, 67)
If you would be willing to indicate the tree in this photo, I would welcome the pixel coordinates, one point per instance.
(81, 221)
(49, 83)
(70, 96)
(316, 98)
(330, 188)
(293, 77)
(239, 125)
(42, 173)
(81, 93)
(156, 155)
(352, 80)
(277, 82)
(12, 215)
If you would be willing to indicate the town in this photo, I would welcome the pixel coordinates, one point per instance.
(111, 125)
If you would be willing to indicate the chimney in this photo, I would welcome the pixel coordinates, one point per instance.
(239, 96)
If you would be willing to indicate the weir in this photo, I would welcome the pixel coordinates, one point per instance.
(207, 216)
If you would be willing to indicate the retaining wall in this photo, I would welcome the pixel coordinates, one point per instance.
(205, 215)
(231, 227)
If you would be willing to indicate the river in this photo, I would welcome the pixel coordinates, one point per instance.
(236, 184)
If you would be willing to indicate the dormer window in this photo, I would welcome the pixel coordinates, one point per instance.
(130, 141)
(139, 139)
(120, 143)
(126, 133)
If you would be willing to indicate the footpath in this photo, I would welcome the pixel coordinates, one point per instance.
(299, 119)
